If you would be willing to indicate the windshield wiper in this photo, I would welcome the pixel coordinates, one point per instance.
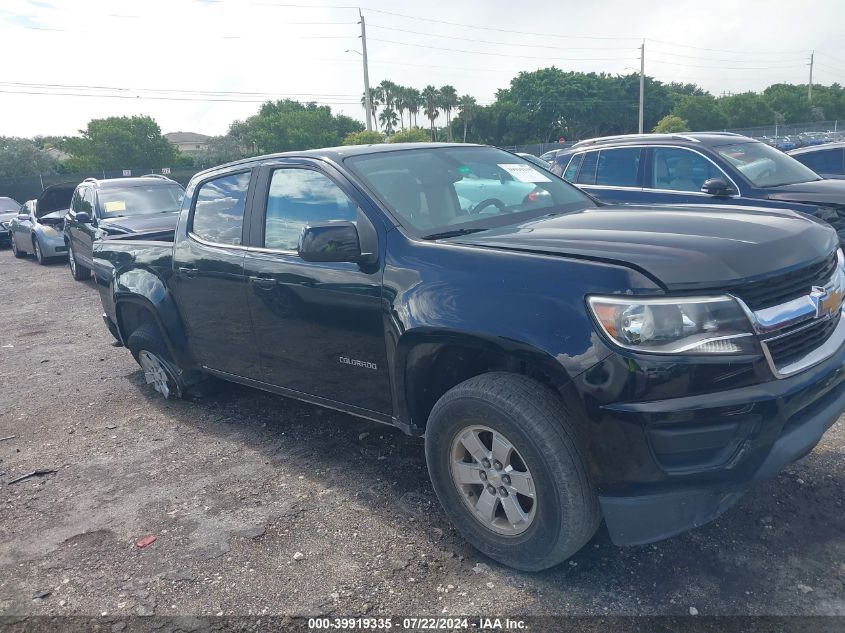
(452, 233)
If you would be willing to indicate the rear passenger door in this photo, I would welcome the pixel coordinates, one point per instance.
(318, 326)
(209, 280)
(80, 234)
(612, 175)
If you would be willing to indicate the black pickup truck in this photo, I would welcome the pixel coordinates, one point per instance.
(565, 361)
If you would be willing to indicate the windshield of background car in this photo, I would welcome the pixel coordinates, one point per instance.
(765, 166)
(433, 190)
(7, 205)
(140, 200)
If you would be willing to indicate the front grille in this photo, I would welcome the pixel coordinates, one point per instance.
(795, 345)
(782, 288)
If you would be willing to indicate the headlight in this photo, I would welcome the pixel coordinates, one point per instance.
(694, 325)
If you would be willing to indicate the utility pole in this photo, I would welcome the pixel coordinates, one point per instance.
(642, 83)
(810, 85)
(367, 104)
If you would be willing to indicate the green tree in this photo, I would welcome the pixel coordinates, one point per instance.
(700, 113)
(746, 109)
(375, 101)
(21, 157)
(431, 100)
(287, 125)
(671, 124)
(790, 100)
(364, 138)
(411, 135)
(448, 102)
(467, 107)
(119, 142)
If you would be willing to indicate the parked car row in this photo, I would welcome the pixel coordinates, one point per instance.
(567, 361)
(65, 219)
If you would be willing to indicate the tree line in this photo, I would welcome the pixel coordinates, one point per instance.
(538, 106)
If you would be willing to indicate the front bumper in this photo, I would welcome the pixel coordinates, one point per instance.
(688, 459)
(53, 245)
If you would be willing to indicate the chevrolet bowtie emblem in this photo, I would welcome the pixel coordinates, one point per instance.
(827, 300)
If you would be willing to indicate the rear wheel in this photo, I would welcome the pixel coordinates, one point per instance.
(79, 272)
(510, 471)
(160, 370)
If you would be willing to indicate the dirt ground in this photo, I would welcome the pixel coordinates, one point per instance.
(263, 505)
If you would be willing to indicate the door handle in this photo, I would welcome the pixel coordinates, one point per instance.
(188, 272)
(263, 282)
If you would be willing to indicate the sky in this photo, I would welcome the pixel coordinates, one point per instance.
(197, 65)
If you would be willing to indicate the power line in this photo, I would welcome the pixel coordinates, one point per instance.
(459, 50)
(179, 90)
(725, 50)
(520, 44)
(661, 61)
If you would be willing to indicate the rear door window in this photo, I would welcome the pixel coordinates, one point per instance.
(572, 169)
(587, 173)
(619, 167)
(219, 209)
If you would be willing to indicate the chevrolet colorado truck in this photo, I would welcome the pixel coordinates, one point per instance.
(565, 361)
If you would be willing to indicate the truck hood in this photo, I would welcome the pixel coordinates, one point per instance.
(679, 247)
(823, 192)
(140, 223)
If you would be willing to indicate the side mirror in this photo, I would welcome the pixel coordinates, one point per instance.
(717, 187)
(83, 217)
(330, 242)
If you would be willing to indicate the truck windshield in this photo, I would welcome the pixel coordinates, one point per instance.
(765, 166)
(438, 190)
(140, 200)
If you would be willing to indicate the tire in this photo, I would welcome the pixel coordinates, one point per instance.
(160, 370)
(16, 251)
(79, 272)
(546, 458)
(39, 253)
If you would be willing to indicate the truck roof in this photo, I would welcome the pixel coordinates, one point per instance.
(337, 154)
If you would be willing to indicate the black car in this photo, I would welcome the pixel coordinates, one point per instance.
(118, 206)
(700, 168)
(9, 209)
(564, 362)
(827, 160)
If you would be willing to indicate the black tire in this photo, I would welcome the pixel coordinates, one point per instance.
(77, 270)
(540, 429)
(16, 251)
(39, 253)
(181, 384)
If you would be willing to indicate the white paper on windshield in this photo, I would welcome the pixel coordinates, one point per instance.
(524, 173)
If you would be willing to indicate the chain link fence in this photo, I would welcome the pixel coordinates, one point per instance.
(25, 188)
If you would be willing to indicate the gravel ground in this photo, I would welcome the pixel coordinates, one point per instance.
(263, 505)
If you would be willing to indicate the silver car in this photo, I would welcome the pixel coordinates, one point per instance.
(38, 229)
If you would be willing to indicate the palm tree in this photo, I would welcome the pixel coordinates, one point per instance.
(413, 101)
(374, 103)
(387, 89)
(388, 119)
(466, 110)
(448, 101)
(402, 104)
(431, 105)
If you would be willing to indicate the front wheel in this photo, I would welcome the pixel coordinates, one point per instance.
(39, 254)
(79, 272)
(510, 471)
(15, 250)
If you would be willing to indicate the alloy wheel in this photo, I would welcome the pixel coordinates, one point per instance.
(493, 481)
(71, 260)
(38, 254)
(155, 372)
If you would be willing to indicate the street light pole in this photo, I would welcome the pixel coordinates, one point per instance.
(642, 83)
(367, 104)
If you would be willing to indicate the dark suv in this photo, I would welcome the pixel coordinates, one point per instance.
(117, 206)
(707, 168)
(828, 160)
